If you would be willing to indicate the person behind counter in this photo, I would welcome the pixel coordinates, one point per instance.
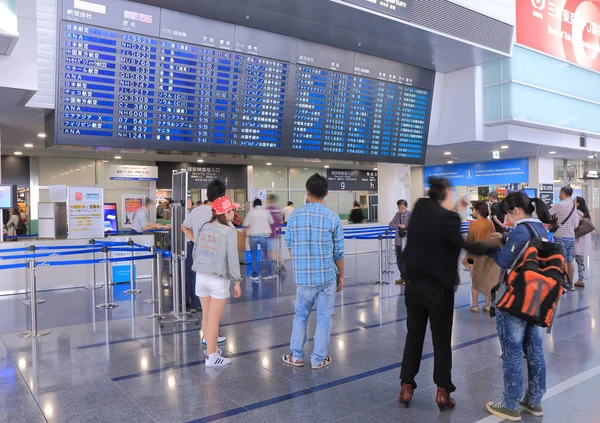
(141, 220)
(356, 215)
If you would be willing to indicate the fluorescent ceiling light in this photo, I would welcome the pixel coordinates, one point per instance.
(326, 166)
(18, 153)
(553, 152)
(200, 161)
(118, 157)
(268, 164)
(450, 162)
(447, 153)
(28, 146)
(41, 135)
(504, 147)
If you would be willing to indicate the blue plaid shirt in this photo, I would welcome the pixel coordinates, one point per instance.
(315, 236)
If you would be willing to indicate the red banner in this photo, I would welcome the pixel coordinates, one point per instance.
(566, 29)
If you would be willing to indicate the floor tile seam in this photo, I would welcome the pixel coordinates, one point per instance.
(24, 381)
(134, 401)
(121, 341)
(362, 375)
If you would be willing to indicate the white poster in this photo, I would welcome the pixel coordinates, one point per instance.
(260, 193)
(131, 204)
(86, 212)
(133, 173)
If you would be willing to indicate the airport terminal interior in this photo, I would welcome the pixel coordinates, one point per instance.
(193, 190)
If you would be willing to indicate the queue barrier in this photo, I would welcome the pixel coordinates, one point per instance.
(95, 246)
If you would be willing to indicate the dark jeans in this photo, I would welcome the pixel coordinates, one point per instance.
(190, 279)
(428, 301)
(399, 261)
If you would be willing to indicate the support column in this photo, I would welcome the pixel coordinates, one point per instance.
(541, 171)
(394, 184)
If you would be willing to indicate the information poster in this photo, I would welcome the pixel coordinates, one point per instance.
(86, 212)
(260, 193)
(131, 204)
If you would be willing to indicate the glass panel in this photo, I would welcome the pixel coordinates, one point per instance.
(270, 177)
(298, 198)
(558, 171)
(506, 70)
(492, 103)
(534, 105)
(63, 171)
(299, 176)
(333, 202)
(281, 197)
(492, 72)
(346, 204)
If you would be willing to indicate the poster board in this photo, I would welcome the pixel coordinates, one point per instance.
(130, 204)
(255, 193)
(85, 210)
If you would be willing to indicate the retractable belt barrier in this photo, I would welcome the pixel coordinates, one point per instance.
(95, 246)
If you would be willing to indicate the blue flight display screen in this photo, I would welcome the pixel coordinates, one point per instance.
(118, 88)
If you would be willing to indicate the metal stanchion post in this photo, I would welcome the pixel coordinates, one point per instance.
(93, 285)
(182, 277)
(355, 260)
(175, 282)
(132, 275)
(34, 332)
(107, 285)
(159, 269)
(153, 285)
(27, 302)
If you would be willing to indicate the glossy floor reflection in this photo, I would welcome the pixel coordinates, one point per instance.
(118, 366)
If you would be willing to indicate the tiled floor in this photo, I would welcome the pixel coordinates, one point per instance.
(117, 366)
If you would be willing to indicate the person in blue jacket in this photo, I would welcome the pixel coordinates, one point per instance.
(517, 336)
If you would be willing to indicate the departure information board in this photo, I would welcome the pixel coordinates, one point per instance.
(136, 76)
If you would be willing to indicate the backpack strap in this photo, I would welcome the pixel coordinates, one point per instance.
(532, 231)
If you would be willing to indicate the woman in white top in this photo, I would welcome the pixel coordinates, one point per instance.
(583, 244)
(13, 223)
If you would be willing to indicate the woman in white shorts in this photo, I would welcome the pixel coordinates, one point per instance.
(216, 264)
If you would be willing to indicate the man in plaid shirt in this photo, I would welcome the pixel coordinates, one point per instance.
(315, 239)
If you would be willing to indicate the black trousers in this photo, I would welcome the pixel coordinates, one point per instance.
(428, 301)
(399, 261)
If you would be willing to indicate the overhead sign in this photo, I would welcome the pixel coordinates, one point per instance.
(590, 174)
(497, 172)
(566, 29)
(547, 187)
(351, 180)
(200, 175)
(397, 8)
(133, 173)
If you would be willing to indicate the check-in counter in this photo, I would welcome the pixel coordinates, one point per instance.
(69, 276)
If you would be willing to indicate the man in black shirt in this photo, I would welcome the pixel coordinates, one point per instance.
(497, 215)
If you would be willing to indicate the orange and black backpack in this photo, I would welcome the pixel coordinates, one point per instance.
(531, 288)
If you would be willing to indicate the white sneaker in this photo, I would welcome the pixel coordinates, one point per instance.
(220, 341)
(215, 360)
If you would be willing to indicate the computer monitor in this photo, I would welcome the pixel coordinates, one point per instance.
(8, 196)
(530, 192)
(111, 220)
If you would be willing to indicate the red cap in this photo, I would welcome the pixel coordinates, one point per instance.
(222, 205)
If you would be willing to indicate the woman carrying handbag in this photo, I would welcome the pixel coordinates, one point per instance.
(583, 240)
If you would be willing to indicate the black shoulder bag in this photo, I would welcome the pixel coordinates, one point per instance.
(555, 224)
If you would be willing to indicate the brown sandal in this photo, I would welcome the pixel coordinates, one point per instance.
(579, 284)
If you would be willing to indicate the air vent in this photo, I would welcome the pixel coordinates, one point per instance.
(463, 23)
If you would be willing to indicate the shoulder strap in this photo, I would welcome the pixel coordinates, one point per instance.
(569, 216)
(532, 231)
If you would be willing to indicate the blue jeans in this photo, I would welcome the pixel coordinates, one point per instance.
(516, 337)
(306, 297)
(255, 241)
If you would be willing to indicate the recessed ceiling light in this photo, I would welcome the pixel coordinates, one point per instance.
(268, 164)
(41, 135)
(77, 170)
(118, 157)
(590, 157)
(28, 146)
(62, 174)
(200, 161)
(18, 153)
(450, 162)
(447, 153)
(305, 168)
(374, 168)
(504, 147)
(326, 166)
(104, 161)
(552, 152)
(90, 165)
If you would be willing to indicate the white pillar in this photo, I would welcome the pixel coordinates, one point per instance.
(394, 184)
(541, 171)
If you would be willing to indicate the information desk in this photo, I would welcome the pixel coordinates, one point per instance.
(13, 281)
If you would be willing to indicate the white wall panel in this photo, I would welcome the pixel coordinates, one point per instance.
(19, 69)
(46, 55)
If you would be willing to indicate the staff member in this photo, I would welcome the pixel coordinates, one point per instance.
(399, 223)
(141, 220)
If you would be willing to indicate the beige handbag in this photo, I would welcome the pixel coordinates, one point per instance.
(485, 274)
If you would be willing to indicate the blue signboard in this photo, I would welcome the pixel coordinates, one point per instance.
(497, 172)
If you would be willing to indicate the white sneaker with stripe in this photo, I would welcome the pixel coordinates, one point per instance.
(215, 360)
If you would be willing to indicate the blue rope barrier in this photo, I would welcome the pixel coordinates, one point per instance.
(13, 266)
(96, 261)
(34, 255)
